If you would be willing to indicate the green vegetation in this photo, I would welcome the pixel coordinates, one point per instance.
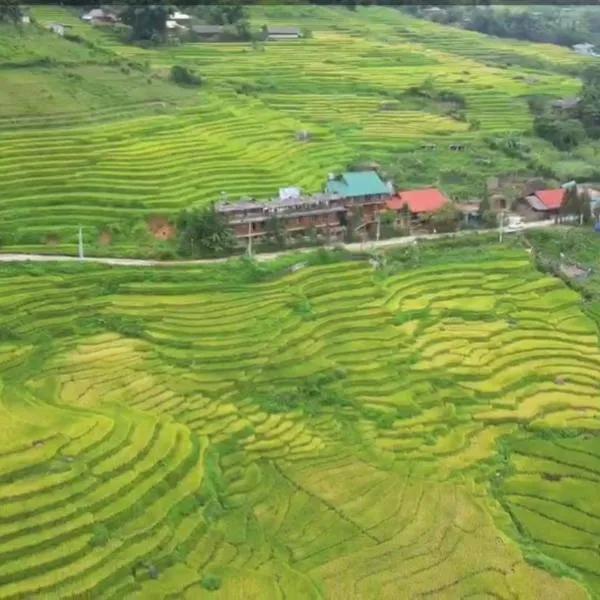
(568, 127)
(204, 232)
(95, 132)
(184, 76)
(552, 24)
(148, 21)
(188, 432)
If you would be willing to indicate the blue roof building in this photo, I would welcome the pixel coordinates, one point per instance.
(360, 184)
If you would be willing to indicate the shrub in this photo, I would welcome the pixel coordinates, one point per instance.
(211, 582)
(100, 535)
(184, 76)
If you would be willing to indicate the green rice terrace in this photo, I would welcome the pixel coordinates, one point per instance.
(94, 133)
(426, 429)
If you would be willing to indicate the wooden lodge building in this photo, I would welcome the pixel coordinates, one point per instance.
(329, 213)
(298, 214)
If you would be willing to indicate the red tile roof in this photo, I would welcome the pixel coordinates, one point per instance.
(419, 201)
(551, 199)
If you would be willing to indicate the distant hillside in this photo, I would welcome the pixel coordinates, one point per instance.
(94, 133)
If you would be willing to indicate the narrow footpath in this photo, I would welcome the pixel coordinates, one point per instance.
(354, 247)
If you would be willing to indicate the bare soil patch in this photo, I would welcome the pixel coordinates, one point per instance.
(162, 229)
(105, 239)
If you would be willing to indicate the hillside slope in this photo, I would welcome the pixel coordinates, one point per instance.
(99, 137)
(328, 433)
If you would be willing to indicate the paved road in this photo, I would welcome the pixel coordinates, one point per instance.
(134, 262)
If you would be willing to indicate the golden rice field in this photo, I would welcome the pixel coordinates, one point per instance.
(332, 432)
(89, 141)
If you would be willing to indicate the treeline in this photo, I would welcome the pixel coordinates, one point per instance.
(561, 25)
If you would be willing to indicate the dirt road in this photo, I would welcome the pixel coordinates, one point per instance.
(133, 262)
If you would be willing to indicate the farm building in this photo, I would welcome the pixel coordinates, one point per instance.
(420, 203)
(282, 33)
(98, 16)
(544, 204)
(208, 32)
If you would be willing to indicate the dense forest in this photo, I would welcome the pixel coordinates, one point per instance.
(562, 25)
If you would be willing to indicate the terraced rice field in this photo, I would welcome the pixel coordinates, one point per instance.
(97, 148)
(332, 432)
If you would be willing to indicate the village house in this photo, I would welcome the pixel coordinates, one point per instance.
(323, 213)
(362, 190)
(421, 204)
(542, 204)
(99, 16)
(281, 33)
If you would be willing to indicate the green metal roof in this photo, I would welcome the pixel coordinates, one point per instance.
(362, 183)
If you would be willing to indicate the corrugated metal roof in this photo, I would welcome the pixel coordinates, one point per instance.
(535, 203)
(361, 183)
(551, 199)
(427, 200)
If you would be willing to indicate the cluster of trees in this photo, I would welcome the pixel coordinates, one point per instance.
(204, 232)
(148, 18)
(566, 129)
(565, 26)
(576, 204)
(228, 13)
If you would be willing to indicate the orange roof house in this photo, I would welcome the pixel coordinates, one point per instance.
(425, 201)
(546, 200)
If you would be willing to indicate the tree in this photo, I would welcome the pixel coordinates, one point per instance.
(588, 109)
(486, 215)
(184, 76)
(148, 21)
(227, 12)
(10, 11)
(204, 232)
(405, 216)
(585, 207)
(446, 219)
(564, 134)
(570, 204)
(276, 231)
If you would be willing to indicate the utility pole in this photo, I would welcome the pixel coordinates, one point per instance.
(80, 244)
(250, 239)
(377, 235)
(501, 227)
